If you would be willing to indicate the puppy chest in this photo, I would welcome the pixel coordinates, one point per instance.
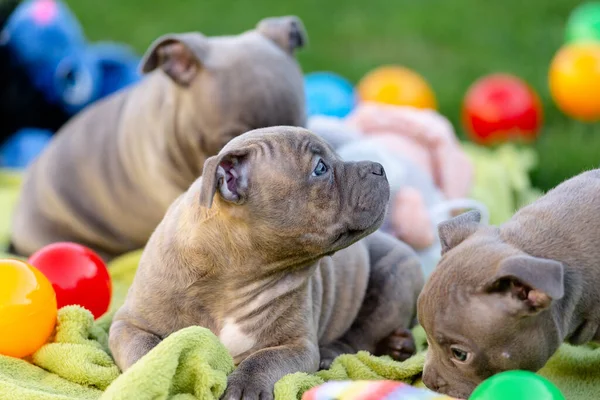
(235, 339)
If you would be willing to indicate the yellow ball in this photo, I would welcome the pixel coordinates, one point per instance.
(574, 80)
(396, 85)
(27, 308)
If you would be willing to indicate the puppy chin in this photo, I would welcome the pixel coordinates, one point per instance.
(354, 234)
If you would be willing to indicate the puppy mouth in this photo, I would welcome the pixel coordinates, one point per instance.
(347, 235)
(352, 234)
(458, 393)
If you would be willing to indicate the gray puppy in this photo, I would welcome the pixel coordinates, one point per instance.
(273, 249)
(505, 298)
(110, 174)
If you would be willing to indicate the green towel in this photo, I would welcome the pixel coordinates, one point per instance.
(193, 364)
(189, 364)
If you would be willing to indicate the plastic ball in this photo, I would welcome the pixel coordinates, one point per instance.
(584, 23)
(328, 94)
(20, 149)
(78, 276)
(574, 80)
(499, 108)
(516, 385)
(396, 85)
(27, 308)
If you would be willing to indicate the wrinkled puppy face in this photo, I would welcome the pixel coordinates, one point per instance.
(485, 308)
(297, 197)
(233, 84)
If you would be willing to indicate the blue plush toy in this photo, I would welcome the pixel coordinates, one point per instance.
(44, 38)
(118, 66)
(47, 40)
(23, 147)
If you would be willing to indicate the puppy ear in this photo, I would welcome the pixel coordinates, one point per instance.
(179, 55)
(455, 230)
(533, 282)
(228, 174)
(287, 32)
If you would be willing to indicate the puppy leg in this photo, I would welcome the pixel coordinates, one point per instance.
(256, 376)
(381, 327)
(129, 343)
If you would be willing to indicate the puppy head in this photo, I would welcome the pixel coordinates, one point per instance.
(233, 84)
(294, 194)
(485, 308)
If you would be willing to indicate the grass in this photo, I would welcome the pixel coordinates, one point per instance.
(450, 42)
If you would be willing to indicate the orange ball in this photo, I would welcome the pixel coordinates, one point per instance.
(27, 308)
(574, 80)
(396, 85)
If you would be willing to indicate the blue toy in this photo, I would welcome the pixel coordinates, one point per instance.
(23, 147)
(328, 94)
(46, 39)
(119, 66)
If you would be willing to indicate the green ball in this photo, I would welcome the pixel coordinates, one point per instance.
(516, 385)
(584, 23)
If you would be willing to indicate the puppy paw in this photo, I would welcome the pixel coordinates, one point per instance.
(247, 387)
(326, 361)
(399, 345)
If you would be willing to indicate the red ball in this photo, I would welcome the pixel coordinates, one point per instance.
(501, 107)
(78, 276)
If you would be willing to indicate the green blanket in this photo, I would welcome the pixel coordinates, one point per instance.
(189, 364)
(193, 364)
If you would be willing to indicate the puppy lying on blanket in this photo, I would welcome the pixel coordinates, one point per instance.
(112, 171)
(282, 263)
(506, 298)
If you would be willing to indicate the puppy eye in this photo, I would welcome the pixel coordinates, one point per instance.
(320, 169)
(459, 354)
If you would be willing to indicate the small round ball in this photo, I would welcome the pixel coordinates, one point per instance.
(398, 86)
(574, 80)
(516, 385)
(501, 107)
(583, 23)
(78, 276)
(328, 94)
(27, 308)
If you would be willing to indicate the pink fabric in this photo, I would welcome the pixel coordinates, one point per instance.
(410, 219)
(44, 11)
(423, 135)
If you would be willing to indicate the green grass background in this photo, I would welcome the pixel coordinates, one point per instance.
(450, 42)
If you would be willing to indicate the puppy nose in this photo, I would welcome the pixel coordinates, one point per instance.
(430, 381)
(366, 168)
(377, 169)
(296, 37)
